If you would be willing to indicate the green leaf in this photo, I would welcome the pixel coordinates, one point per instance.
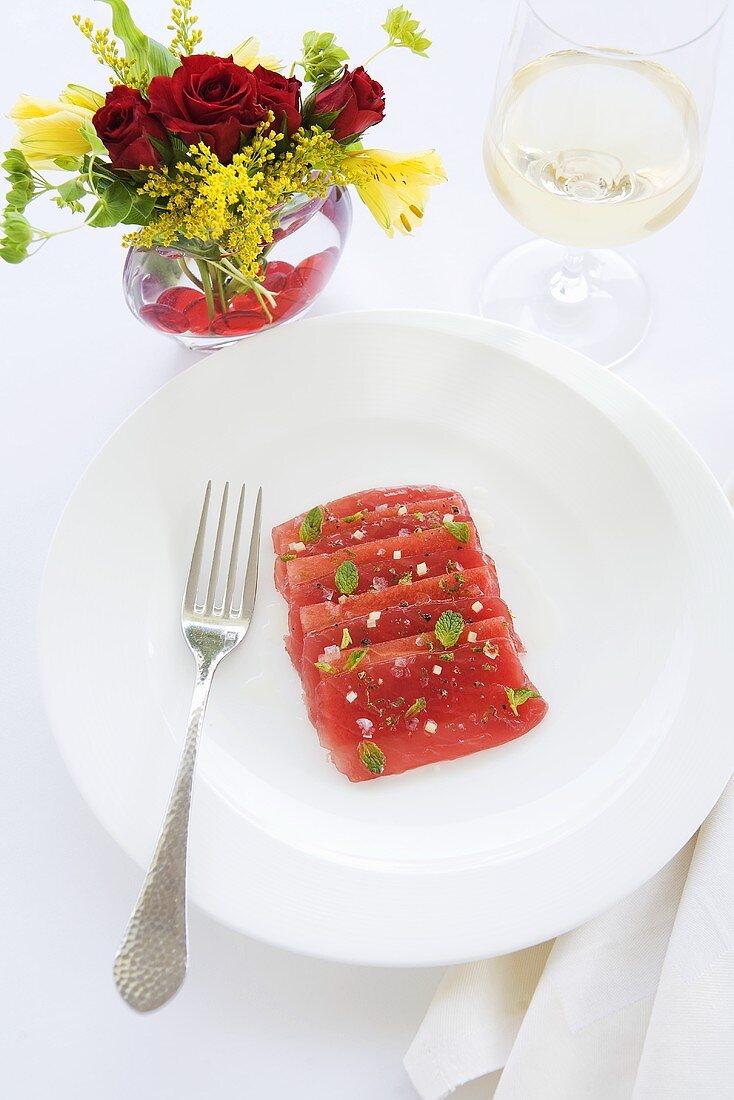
(70, 193)
(287, 557)
(346, 639)
(356, 518)
(416, 707)
(17, 235)
(406, 577)
(372, 757)
(459, 531)
(516, 698)
(354, 658)
(322, 58)
(89, 133)
(145, 53)
(448, 628)
(445, 656)
(322, 666)
(310, 529)
(346, 578)
(404, 30)
(114, 204)
(68, 164)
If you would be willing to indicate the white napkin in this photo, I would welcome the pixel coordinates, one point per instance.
(638, 1004)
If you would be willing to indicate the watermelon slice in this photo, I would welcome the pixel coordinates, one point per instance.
(406, 651)
(401, 713)
(379, 500)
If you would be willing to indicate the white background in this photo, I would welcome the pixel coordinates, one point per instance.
(252, 1021)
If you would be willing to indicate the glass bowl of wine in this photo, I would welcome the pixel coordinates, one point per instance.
(595, 139)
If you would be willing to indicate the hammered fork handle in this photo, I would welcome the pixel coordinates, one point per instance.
(150, 965)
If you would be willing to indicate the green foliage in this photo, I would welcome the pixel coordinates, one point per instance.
(517, 697)
(310, 529)
(448, 628)
(90, 135)
(70, 193)
(372, 757)
(147, 55)
(403, 30)
(322, 58)
(346, 639)
(354, 658)
(459, 531)
(118, 202)
(416, 708)
(346, 578)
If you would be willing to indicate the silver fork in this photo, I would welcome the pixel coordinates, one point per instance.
(150, 965)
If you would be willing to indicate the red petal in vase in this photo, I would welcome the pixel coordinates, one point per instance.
(238, 322)
(164, 318)
(179, 297)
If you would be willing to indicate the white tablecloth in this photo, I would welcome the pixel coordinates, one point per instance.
(252, 1021)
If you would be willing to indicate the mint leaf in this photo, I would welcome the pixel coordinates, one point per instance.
(322, 666)
(346, 639)
(346, 578)
(516, 698)
(416, 707)
(406, 577)
(490, 650)
(287, 557)
(459, 531)
(372, 757)
(449, 627)
(404, 30)
(356, 518)
(445, 656)
(310, 529)
(354, 658)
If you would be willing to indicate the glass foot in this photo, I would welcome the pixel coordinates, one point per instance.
(595, 302)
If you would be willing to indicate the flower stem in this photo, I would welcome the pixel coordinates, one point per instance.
(220, 288)
(189, 273)
(376, 54)
(206, 281)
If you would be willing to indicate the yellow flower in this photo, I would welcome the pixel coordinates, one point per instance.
(246, 54)
(394, 186)
(52, 128)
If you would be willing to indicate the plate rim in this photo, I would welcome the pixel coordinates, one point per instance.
(540, 352)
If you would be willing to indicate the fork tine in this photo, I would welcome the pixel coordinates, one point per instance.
(192, 582)
(211, 591)
(250, 586)
(228, 605)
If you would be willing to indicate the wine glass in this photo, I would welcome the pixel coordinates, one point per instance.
(595, 138)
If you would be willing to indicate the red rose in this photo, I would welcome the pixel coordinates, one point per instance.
(281, 95)
(125, 125)
(358, 99)
(208, 99)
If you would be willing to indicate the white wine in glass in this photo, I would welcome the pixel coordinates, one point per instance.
(593, 146)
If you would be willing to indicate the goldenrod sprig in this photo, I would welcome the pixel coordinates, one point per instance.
(187, 36)
(107, 52)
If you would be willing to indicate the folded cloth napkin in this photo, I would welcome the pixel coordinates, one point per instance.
(638, 1004)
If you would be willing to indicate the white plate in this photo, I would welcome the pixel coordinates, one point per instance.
(615, 550)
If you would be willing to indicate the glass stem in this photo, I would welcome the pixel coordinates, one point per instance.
(570, 285)
(206, 282)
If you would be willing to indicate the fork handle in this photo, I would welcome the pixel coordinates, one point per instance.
(150, 965)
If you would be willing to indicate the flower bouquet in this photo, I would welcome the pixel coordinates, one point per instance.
(213, 163)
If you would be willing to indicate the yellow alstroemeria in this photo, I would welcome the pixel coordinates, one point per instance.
(394, 186)
(48, 129)
(247, 55)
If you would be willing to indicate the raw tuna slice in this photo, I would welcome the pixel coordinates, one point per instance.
(320, 660)
(400, 714)
(375, 499)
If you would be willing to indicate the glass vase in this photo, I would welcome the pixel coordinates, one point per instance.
(188, 293)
